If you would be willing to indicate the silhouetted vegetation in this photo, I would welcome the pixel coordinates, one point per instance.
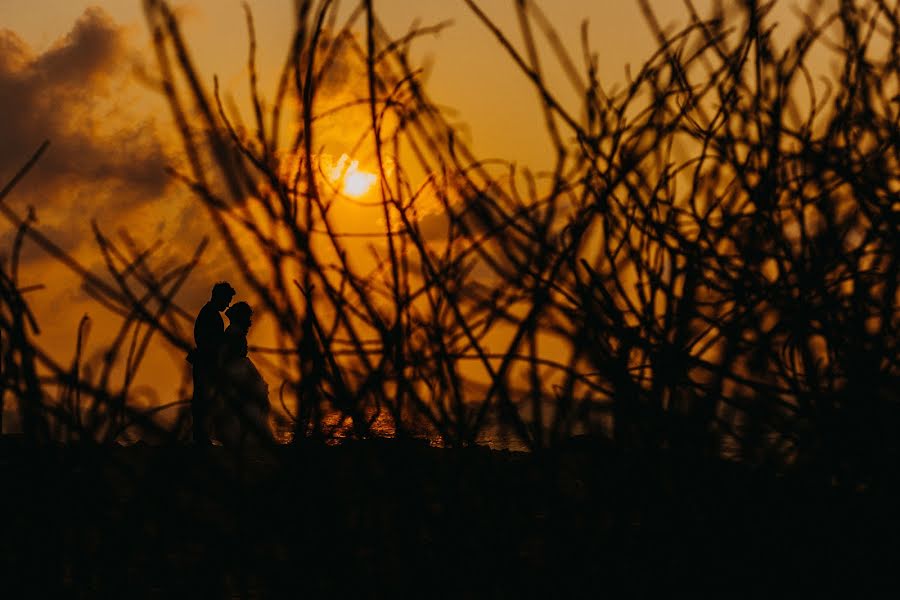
(708, 274)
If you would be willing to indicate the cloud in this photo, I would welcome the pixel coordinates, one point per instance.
(75, 95)
(108, 150)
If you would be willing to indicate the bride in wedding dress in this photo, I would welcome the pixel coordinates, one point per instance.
(244, 394)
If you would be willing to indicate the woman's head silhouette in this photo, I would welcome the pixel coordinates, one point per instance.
(240, 314)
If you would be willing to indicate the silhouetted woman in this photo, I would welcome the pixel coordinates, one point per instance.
(244, 415)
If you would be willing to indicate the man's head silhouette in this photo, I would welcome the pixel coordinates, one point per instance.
(222, 293)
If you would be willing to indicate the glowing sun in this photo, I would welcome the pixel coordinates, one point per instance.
(354, 182)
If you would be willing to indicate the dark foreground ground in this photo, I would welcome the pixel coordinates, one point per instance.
(383, 517)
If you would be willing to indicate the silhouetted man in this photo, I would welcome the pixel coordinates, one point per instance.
(209, 334)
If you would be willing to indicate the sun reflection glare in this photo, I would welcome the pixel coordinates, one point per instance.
(354, 181)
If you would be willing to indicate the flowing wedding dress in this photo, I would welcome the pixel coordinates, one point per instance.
(244, 406)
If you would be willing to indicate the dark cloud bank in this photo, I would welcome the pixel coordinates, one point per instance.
(70, 94)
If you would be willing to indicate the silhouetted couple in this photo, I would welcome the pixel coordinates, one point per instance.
(231, 399)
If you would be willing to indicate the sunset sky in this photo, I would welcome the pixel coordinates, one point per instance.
(71, 71)
(469, 75)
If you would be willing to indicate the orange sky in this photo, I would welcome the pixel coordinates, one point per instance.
(67, 72)
(469, 76)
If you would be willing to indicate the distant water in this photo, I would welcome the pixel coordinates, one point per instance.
(494, 437)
